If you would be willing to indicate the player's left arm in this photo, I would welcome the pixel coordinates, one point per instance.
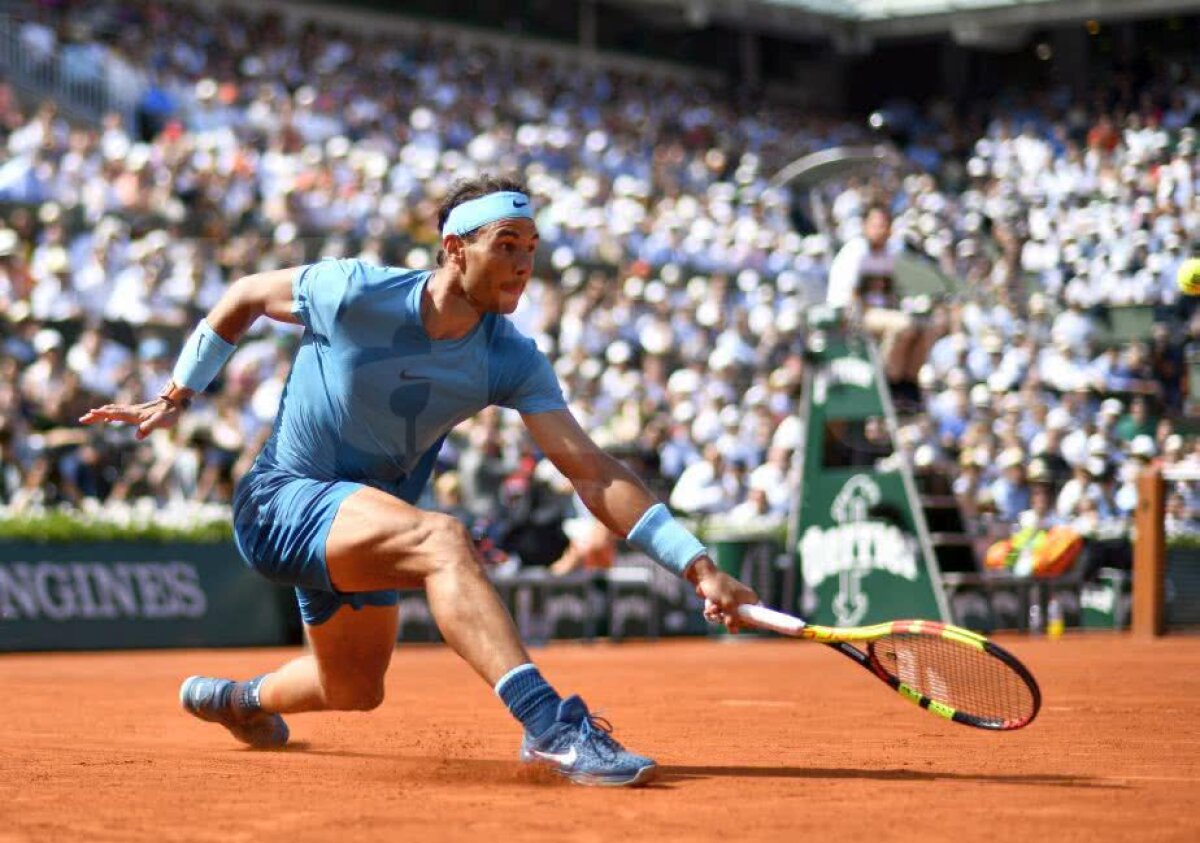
(618, 498)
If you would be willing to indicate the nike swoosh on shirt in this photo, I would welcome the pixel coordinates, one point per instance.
(564, 758)
(517, 204)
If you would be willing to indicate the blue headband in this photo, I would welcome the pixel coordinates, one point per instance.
(477, 213)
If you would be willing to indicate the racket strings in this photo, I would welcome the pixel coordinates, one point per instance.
(969, 680)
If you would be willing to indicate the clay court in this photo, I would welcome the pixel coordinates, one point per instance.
(758, 740)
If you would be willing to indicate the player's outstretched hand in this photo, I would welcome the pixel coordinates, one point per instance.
(722, 593)
(148, 417)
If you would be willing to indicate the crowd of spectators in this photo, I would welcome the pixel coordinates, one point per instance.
(673, 287)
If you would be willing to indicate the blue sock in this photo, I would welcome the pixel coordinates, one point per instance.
(529, 697)
(243, 696)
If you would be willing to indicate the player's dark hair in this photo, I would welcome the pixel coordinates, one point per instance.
(465, 190)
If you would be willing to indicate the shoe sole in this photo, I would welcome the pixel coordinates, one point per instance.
(643, 776)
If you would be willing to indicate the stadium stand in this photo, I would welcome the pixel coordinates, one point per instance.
(674, 279)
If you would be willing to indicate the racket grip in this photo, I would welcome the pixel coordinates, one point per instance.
(761, 616)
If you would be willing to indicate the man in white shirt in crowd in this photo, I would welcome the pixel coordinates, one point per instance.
(862, 282)
(100, 361)
(863, 259)
(704, 487)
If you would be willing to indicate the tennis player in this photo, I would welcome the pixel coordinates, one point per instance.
(392, 359)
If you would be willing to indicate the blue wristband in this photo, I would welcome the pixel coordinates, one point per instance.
(665, 540)
(202, 357)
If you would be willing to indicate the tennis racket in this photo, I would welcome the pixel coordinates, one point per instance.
(949, 671)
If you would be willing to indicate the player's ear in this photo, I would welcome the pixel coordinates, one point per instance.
(455, 248)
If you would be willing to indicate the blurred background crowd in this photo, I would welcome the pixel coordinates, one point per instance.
(672, 288)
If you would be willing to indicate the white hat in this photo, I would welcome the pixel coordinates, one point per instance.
(591, 368)
(720, 359)
(157, 240)
(708, 314)
(1112, 407)
(787, 281)
(980, 397)
(57, 260)
(788, 321)
(924, 456)
(206, 89)
(926, 376)
(1010, 458)
(1058, 419)
(46, 339)
(748, 280)
(1038, 471)
(572, 277)
(619, 352)
(19, 311)
(656, 338)
(49, 213)
(683, 382)
(684, 412)
(1142, 446)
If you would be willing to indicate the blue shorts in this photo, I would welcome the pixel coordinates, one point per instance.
(280, 524)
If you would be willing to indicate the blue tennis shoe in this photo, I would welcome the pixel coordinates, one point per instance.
(580, 747)
(215, 700)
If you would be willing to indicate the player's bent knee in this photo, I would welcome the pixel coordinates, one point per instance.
(449, 531)
(354, 697)
(449, 541)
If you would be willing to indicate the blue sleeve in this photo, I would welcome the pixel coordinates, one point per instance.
(524, 379)
(319, 293)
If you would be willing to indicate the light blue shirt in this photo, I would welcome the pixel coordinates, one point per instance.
(371, 397)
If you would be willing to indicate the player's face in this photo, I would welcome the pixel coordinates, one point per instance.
(498, 265)
(877, 227)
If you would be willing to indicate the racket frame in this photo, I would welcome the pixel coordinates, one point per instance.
(844, 639)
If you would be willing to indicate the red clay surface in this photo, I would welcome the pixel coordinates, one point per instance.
(758, 740)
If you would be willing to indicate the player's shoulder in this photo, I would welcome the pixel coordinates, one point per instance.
(363, 282)
(506, 337)
(365, 272)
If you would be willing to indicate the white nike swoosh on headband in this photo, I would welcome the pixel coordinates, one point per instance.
(564, 758)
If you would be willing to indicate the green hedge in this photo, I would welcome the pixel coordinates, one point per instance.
(65, 526)
(1191, 540)
(75, 527)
